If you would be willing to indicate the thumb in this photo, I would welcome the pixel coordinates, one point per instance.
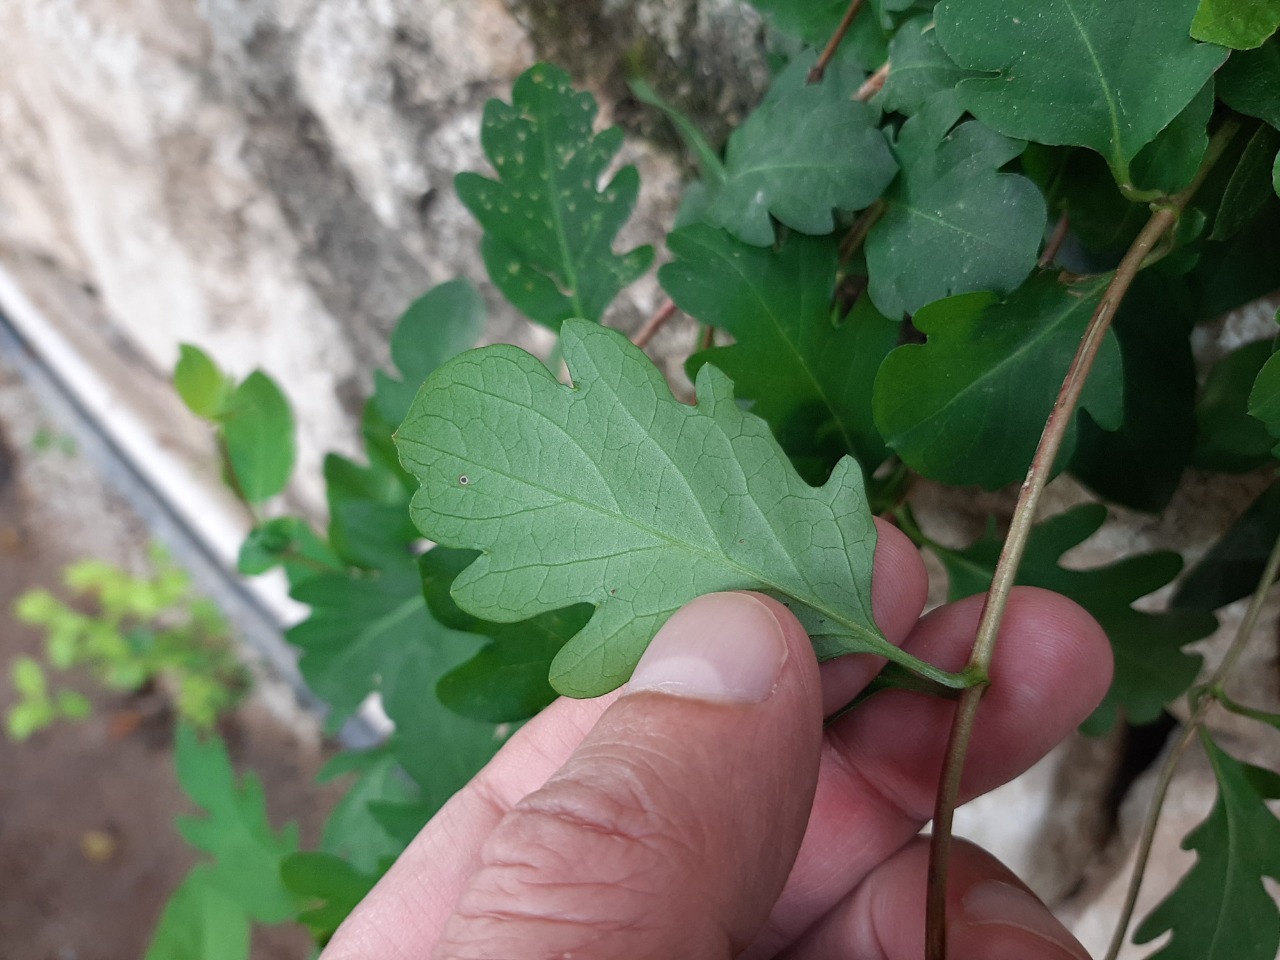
(672, 828)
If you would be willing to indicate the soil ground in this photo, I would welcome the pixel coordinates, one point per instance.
(88, 849)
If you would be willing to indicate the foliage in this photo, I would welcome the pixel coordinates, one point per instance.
(906, 277)
(145, 629)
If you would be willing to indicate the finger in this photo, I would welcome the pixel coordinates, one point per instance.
(991, 915)
(407, 909)
(672, 828)
(881, 763)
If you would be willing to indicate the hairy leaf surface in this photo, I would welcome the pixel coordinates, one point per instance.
(1221, 910)
(611, 492)
(968, 406)
(549, 226)
(808, 376)
(1150, 666)
(1103, 74)
(953, 223)
(806, 150)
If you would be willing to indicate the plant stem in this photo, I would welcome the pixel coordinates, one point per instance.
(862, 225)
(829, 51)
(1055, 241)
(655, 323)
(1163, 218)
(873, 84)
(1209, 693)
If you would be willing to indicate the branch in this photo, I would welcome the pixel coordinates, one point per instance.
(655, 323)
(873, 84)
(1163, 218)
(1055, 242)
(829, 51)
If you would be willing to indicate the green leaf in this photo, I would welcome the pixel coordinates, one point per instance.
(1275, 175)
(235, 832)
(204, 388)
(918, 67)
(808, 376)
(1250, 83)
(331, 880)
(1170, 161)
(1264, 398)
(1222, 910)
(1249, 188)
(257, 427)
(369, 522)
(352, 833)
(1103, 74)
(549, 226)
(1235, 272)
(1239, 24)
(444, 321)
(201, 921)
(969, 405)
(507, 680)
(805, 151)
(289, 542)
(953, 224)
(1150, 666)
(1140, 465)
(611, 492)
(708, 157)
(1227, 438)
(1232, 567)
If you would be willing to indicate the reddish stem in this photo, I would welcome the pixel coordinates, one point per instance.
(655, 323)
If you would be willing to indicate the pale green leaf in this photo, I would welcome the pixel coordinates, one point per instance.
(549, 224)
(1239, 24)
(968, 406)
(1103, 74)
(804, 152)
(953, 224)
(202, 386)
(808, 375)
(1222, 909)
(610, 492)
(201, 921)
(257, 427)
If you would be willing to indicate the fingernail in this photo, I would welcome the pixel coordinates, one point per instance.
(724, 646)
(1004, 904)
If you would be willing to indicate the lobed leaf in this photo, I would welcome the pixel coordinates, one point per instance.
(549, 225)
(610, 492)
(953, 224)
(918, 67)
(968, 405)
(1103, 74)
(807, 373)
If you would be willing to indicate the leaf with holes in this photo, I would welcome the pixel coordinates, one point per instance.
(549, 225)
(1151, 667)
(1103, 74)
(610, 492)
(807, 373)
(1222, 909)
(953, 223)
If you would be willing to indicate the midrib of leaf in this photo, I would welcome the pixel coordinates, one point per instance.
(562, 240)
(777, 324)
(1118, 162)
(910, 208)
(723, 559)
(1012, 357)
(387, 621)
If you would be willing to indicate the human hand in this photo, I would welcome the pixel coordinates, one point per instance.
(704, 812)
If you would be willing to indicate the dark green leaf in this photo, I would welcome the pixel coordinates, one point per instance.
(802, 153)
(203, 387)
(1222, 909)
(507, 680)
(287, 541)
(613, 493)
(1170, 161)
(1227, 438)
(1141, 464)
(969, 405)
(1239, 24)
(1238, 271)
(1150, 666)
(1264, 399)
(333, 881)
(257, 427)
(1234, 564)
(444, 321)
(919, 67)
(953, 223)
(807, 376)
(549, 226)
(1250, 83)
(815, 21)
(1249, 188)
(1103, 74)
(369, 523)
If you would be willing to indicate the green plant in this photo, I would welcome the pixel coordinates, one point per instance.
(143, 629)
(950, 247)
